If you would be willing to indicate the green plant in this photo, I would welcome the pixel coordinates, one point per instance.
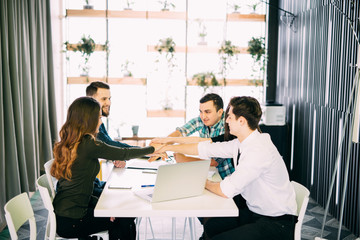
(254, 6)
(88, 5)
(129, 4)
(86, 47)
(167, 46)
(236, 7)
(256, 48)
(125, 68)
(166, 5)
(202, 28)
(227, 52)
(205, 79)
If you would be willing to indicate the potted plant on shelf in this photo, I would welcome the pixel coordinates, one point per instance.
(253, 7)
(86, 47)
(235, 7)
(202, 32)
(256, 48)
(166, 4)
(125, 69)
(205, 80)
(88, 5)
(129, 5)
(227, 52)
(167, 46)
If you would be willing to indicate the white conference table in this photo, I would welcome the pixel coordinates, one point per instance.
(123, 203)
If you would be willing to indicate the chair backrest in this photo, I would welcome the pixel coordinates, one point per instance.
(52, 181)
(45, 192)
(18, 210)
(302, 199)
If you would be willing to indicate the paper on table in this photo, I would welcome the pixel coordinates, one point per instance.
(115, 185)
(144, 164)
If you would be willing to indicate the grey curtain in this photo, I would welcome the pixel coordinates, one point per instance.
(27, 108)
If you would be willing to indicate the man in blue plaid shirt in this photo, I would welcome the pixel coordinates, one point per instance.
(209, 124)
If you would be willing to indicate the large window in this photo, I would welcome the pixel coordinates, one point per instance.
(161, 93)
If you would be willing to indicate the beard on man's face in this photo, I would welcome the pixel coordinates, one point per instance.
(105, 111)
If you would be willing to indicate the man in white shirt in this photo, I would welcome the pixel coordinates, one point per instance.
(260, 177)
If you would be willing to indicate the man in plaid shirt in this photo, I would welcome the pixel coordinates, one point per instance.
(209, 124)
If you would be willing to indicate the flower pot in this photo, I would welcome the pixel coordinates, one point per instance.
(87, 6)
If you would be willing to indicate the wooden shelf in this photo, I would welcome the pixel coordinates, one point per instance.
(126, 14)
(85, 13)
(246, 17)
(158, 15)
(165, 113)
(197, 49)
(98, 47)
(124, 80)
(167, 15)
(232, 82)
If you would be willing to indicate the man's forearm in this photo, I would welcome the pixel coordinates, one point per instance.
(176, 133)
(215, 188)
(190, 149)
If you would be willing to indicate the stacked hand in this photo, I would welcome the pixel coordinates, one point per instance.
(160, 150)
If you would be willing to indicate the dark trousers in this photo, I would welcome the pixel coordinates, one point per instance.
(250, 226)
(121, 228)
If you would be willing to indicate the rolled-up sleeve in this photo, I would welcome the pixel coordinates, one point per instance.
(228, 188)
(219, 149)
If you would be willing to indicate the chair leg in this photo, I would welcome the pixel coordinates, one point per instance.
(184, 228)
(151, 228)
(192, 228)
(138, 221)
(173, 228)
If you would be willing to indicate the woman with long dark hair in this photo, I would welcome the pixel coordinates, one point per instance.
(76, 166)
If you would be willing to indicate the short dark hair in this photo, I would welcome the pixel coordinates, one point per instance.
(249, 108)
(218, 102)
(92, 89)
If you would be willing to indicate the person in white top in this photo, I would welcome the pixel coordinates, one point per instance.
(260, 178)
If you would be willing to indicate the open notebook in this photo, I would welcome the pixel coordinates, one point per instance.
(175, 181)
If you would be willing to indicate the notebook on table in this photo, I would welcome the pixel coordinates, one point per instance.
(175, 181)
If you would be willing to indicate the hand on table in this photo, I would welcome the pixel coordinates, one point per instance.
(119, 164)
(155, 156)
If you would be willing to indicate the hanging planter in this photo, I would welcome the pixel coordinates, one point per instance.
(205, 80)
(167, 46)
(202, 33)
(227, 52)
(86, 47)
(125, 69)
(256, 48)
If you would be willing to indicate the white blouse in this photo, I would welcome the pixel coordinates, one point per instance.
(260, 176)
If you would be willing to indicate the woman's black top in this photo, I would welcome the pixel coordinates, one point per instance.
(74, 197)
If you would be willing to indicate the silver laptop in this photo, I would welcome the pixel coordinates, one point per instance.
(175, 181)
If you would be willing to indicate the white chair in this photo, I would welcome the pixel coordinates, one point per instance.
(50, 178)
(18, 210)
(45, 192)
(302, 199)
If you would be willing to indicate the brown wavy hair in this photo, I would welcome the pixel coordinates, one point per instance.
(82, 119)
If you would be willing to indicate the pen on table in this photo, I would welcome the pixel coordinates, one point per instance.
(150, 185)
(152, 172)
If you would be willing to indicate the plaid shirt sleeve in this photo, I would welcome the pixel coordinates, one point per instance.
(225, 167)
(190, 127)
